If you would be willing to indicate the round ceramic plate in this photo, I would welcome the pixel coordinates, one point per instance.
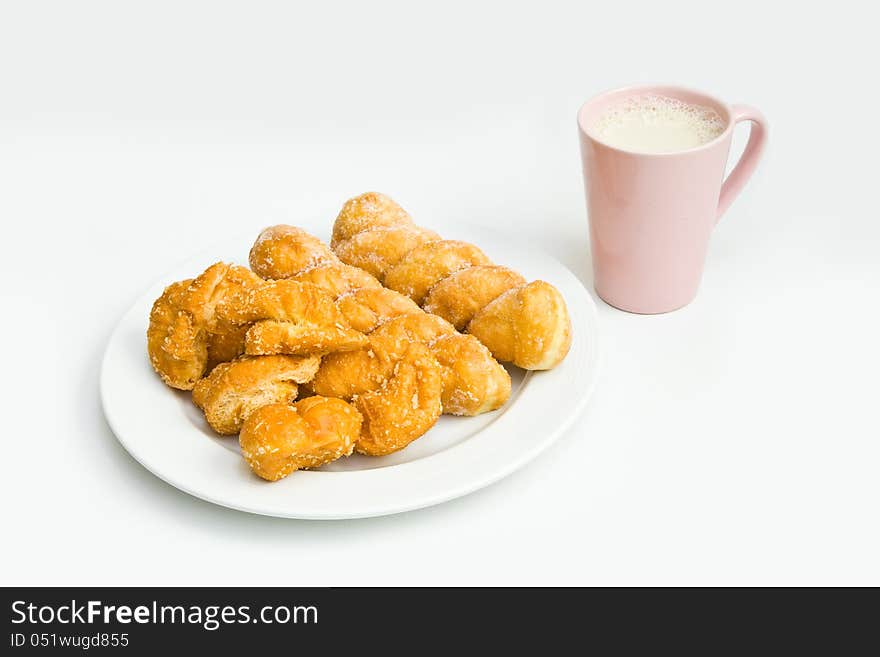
(168, 435)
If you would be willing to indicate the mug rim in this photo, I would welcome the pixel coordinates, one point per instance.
(647, 88)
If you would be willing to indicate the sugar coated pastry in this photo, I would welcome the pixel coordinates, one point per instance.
(458, 283)
(378, 363)
(281, 251)
(225, 344)
(290, 317)
(377, 250)
(367, 308)
(459, 296)
(188, 334)
(404, 407)
(177, 346)
(367, 210)
(473, 381)
(426, 265)
(527, 325)
(365, 369)
(233, 390)
(336, 278)
(221, 286)
(278, 439)
(227, 310)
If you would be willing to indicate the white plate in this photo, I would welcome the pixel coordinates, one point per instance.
(167, 434)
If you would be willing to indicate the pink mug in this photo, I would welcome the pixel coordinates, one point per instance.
(651, 214)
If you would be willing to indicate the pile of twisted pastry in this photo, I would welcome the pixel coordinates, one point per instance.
(375, 365)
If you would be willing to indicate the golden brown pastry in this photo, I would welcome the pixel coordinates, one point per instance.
(228, 310)
(356, 372)
(404, 407)
(289, 317)
(188, 334)
(336, 278)
(278, 439)
(177, 345)
(370, 210)
(221, 286)
(233, 390)
(282, 251)
(260, 337)
(225, 344)
(367, 308)
(527, 325)
(459, 296)
(378, 249)
(459, 284)
(426, 265)
(473, 381)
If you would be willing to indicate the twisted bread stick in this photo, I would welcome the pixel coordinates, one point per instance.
(406, 405)
(289, 317)
(188, 334)
(472, 380)
(278, 439)
(228, 310)
(233, 390)
(524, 323)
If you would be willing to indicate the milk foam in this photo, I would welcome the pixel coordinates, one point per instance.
(657, 124)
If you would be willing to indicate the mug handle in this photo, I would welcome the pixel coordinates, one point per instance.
(750, 156)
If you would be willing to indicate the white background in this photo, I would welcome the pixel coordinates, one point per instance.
(732, 442)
